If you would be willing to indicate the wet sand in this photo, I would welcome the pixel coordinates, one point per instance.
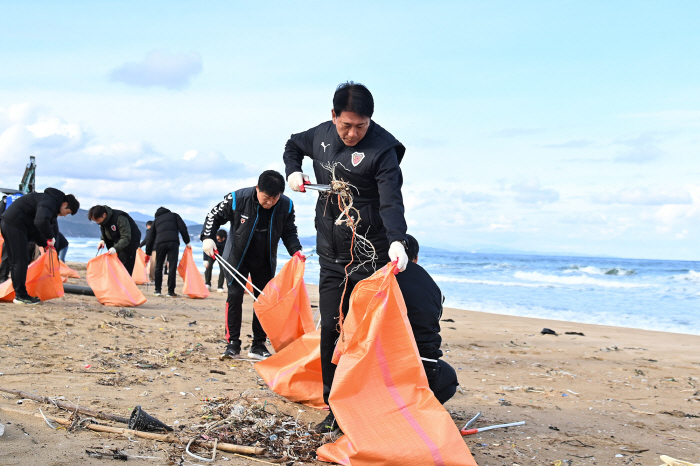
(613, 396)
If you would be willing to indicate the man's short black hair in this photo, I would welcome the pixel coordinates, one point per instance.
(222, 233)
(96, 211)
(73, 203)
(271, 183)
(149, 223)
(353, 97)
(413, 248)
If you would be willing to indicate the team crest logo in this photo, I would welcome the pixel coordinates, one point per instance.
(242, 221)
(114, 228)
(357, 157)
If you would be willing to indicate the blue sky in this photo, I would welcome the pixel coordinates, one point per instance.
(533, 125)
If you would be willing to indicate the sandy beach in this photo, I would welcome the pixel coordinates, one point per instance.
(612, 396)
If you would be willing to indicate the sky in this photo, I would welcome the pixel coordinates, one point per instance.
(544, 126)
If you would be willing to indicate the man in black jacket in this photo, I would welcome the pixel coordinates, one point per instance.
(32, 217)
(367, 156)
(424, 300)
(119, 233)
(259, 217)
(221, 236)
(164, 234)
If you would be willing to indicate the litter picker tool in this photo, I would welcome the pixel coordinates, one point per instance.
(472, 421)
(482, 429)
(317, 187)
(230, 270)
(238, 273)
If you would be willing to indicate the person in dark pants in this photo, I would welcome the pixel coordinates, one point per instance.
(221, 236)
(164, 234)
(424, 300)
(61, 246)
(32, 217)
(119, 233)
(366, 156)
(260, 216)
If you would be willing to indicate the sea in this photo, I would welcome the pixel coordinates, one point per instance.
(646, 294)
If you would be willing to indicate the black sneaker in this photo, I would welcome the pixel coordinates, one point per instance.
(26, 300)
(172, 295)
(157, 293)
(328, 425)
(258, 352)
(232, 352)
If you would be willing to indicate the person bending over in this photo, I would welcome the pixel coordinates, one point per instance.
(119, 233)
(164, 234)
(259, 217)
(32, 217)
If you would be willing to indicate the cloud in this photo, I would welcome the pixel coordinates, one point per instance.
(642, 149)
(644, 196)
(574, 144)
(515, 132)
(529, 191)
(160, 68)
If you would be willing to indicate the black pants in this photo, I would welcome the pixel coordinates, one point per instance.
(330, 290)
(209, 269)
(18, 260)
(260, 274)
(128, 256)
(442, 379)
(169, 251)
(5, 264)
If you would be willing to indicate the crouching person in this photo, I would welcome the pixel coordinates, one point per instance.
(259, 217)
(119, 233)
(423, 301)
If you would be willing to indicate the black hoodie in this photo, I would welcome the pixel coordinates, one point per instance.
(165, 229)
(35, 213)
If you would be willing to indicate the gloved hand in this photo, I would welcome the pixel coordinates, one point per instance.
(398, 253)
(208, 246)
(300, 256)
(51, 242)
(147, 260)
(296, 181)
(188, 245)
(111, 251)
(100, 245)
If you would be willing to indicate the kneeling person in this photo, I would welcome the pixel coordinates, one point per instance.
(259, 217)
(423, 301)
(119, 233)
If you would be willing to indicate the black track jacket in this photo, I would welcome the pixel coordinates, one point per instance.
(35, 213)
(165, 229)
(372, 167)
(241, 209)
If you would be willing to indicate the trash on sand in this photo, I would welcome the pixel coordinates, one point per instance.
(2, 429)
(548, 331)
(668, 461)
(574, 333)
(497, 426)
(141, 420)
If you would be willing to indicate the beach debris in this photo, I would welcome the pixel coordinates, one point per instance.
(113, 454)
(668, 461)
(576, 443)
(447, 320)
(2, 429)
(633, 450)
(497, 426)
(574, 333)
(141, 420)
(216, 371)
(124, 313)
(678, 413)
(548, 331)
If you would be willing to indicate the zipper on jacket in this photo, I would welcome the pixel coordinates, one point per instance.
(252, 232)
(272, 216)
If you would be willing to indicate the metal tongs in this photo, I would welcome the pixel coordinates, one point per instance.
(317, 187)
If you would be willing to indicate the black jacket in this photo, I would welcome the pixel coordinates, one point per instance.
(372, 167)
(36, 213)
(120, 231)
(423, 300)
(165, 229)
(241, 209)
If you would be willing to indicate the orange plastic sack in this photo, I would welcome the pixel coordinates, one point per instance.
(140, 273)
(285, 311)
(7, 292)
(67, 272)
(380, 395)
(44, 277)
(295, 372)
(112, 284)
(194, 286)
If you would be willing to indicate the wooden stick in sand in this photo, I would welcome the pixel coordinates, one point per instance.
(68, 406)
(170, 438)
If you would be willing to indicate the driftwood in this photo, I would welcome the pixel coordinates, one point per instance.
(68, 406)
(170, 438)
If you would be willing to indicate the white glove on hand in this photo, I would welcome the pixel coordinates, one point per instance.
(398, 252)
(208, 246)
(296, 181)
(188, 245)
(112, 251)
(100, 245)
(51, 242)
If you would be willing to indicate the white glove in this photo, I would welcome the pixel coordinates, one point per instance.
(100, 245)
(51, 242)
(188, 245)
(208, 246)
(398, 252)
(112, 251)
(296, 181)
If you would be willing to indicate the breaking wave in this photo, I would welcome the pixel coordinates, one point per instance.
(574, 280)
(446, 279)
(589, 269)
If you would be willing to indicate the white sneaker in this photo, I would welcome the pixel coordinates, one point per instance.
(208, 287)
(220, 290)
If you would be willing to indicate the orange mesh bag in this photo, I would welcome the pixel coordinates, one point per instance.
(67, 272)
(285, 311)
(112, 284)
(140, 273)
(380, 395)
(194, 285)
(295, 372)
(44, 278)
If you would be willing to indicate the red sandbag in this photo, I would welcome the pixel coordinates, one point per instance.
(285, 311)
(295, 372)
(67, 272)
(111, 283)
(194, 285)
(44, 277)
(380, 395)
(140, 273)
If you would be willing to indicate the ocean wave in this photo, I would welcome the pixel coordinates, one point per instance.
(600, 271)
(574, 280)
(691, 276)
(442, 278)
